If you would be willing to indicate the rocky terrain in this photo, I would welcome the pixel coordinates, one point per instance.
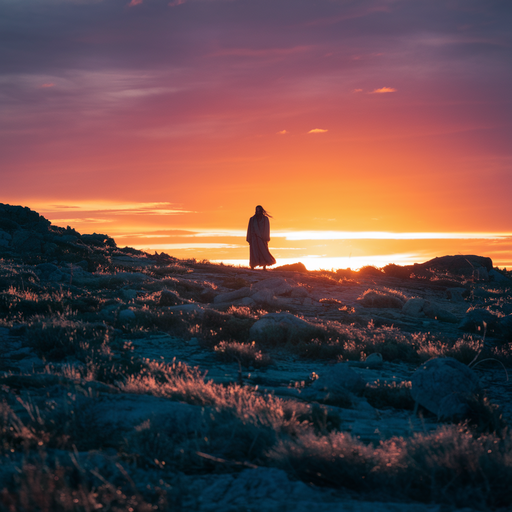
(141, 382)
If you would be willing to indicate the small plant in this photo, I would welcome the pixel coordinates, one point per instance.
(382, 299)
(247, 354)
(393, 394)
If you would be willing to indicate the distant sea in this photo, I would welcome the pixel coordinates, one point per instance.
(330, 250)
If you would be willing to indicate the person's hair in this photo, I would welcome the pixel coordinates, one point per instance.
(264, 212)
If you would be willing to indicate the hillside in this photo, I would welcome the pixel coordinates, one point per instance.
(141, 382)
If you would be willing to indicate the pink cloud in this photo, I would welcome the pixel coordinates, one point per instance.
(44, 86)
(383, 90)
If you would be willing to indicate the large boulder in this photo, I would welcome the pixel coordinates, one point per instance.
(445, 386)
(461, 265)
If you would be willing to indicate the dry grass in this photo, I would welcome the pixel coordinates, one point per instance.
(246, 354)
(386, 298)
(448, 466)
(393, 394)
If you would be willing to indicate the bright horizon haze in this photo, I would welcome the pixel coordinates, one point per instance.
(372, 130)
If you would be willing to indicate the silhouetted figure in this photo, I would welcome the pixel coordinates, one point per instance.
(258, 236)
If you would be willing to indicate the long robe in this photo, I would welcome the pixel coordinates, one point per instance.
(258, 236)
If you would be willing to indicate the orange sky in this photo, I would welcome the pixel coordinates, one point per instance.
(375, 115)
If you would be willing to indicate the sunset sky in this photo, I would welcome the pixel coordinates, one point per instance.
(164, 123)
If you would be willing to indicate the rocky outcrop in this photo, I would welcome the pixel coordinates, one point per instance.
(469, 266)
(24, 233)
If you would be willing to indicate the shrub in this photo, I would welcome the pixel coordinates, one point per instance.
(393, 394)
(369, 270)
(447, 466)
(235, 283)
(234, 327)
(382, 299)
(397, 271)
(247, 354)
(58, 338)
(39, 487)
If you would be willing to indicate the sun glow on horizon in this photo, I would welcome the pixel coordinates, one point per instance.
(334, 263)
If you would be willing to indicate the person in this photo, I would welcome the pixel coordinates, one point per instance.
(258, 236)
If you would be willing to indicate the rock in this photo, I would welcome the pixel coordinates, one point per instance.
(126, 411)
(49, 272)
(278, 285)
(185, 308)
(275, 327)
(98, 240)
(264, 296)
(505, 325)
(5, 238)
(168, 298)
(126, 315)
(480, 274)
(420, 308)
(437, 312)
(373, 361)
(299, 292)
(264, 489)
(462, 265)
(340, 378)
(444, 386)
(247, 301)
(231, 296)
(499, 278)
(455, 294)
(476, 318)
(129, 294)
(414, 307)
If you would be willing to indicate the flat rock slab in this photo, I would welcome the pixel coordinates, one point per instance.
(271, 490)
